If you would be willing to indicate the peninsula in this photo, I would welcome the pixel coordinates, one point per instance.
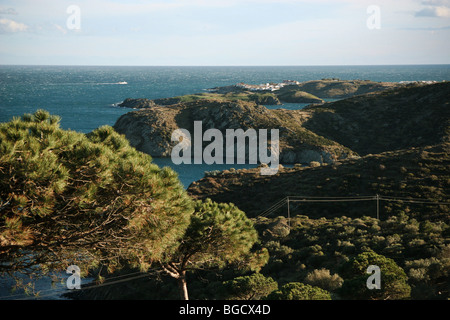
(287, 91)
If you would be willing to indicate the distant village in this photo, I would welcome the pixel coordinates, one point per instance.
(424, 82)
(267, 86)
(278, 86)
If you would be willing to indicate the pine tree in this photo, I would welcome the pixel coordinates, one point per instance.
(393, 285)
(70, 198)
(299, 291)
(219, 234)
(252, 287)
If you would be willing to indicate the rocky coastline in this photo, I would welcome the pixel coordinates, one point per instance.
(288, 91)
(324, 133)
(149, 130)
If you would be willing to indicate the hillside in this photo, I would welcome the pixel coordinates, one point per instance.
(410, 116)
(415, 173)
(340, 89)
(402, 136)
(149, 130)
(316, 243)
(320, 89)
(413, 116)
(264, 98)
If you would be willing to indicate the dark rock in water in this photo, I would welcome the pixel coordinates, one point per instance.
(137, 103)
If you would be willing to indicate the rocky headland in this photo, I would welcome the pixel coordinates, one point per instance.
(381, 120)
(313, 92)
(341, 89)
(149, 130)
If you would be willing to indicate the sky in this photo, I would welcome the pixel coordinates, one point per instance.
(224, 32)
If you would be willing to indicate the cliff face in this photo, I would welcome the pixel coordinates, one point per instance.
(150, 130)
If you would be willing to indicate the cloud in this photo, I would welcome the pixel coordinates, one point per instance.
(435, 9)
(11, 26)
(60, 29)
(436, 12)
(8, 11)
(426, 28)
(436, 2)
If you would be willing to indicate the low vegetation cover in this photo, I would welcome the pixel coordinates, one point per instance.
(95, 201)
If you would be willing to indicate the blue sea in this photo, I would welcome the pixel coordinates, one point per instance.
(86, 97)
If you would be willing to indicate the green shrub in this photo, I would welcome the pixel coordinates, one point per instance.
(393, 279)
(253, 287)
(299, 291)
(323, 279)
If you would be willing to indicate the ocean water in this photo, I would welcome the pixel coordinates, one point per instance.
(86, 97)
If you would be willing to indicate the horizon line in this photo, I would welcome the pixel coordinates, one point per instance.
(198, 66)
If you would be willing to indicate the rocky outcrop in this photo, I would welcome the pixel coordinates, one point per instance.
(137, 103)
(258, 98)
(150, 130)
(403, 137)
(265, 99)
